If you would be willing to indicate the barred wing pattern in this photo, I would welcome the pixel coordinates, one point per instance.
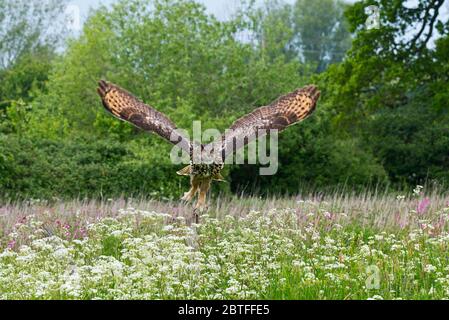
(126, 107)
(284, 112)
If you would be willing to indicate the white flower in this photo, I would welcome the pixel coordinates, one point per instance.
(168, 228)
(61, 253)
(417, 190)
(429, 268)
(365, 250)
(376, 297)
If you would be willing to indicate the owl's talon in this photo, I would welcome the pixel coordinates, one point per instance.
(196, 215)
(187, 197)
(199, 211)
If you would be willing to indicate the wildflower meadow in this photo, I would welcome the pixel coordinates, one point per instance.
(339, 247)
(349, 202)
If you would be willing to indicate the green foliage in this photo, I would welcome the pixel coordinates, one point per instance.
(82, 167)
(412, 145)
(323, 35)
(391, 91)
(26, 26)
(311, 158)
(21, 83)
(172, 55)
(191, 68)
(26, 76)
(30, 33)
(382, 116)
(312, 31)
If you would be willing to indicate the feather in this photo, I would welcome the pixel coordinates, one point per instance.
(185, 171)
(282, 113)
(124, 106)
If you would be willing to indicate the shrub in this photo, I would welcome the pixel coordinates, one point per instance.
(83, 167)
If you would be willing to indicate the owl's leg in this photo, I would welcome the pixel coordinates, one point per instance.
(188, 196)
(201, 205)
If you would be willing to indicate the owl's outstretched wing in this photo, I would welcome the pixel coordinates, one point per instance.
(284, 112)
(126, 107)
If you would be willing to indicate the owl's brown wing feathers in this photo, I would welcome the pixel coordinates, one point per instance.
(126, 107)
(284, 112)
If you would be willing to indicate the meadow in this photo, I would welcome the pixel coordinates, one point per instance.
(382, 120)
(370, 246)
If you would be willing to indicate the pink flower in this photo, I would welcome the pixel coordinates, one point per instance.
(12, 244)
(402, 223)
(328, 215)
(423, 205)
(79, 233)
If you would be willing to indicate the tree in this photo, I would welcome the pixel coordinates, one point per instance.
(385, 67)
(271, 27)
(323, 35)
(382, 117)
(172, 55)
(192, 67)
(28, 25)
(313, 31)
(29, 73)
(392, 88)
(30, 34)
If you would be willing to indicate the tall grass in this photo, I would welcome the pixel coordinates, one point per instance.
(337, 246)
(373, 209)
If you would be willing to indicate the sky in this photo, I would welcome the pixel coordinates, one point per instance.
(222, 9)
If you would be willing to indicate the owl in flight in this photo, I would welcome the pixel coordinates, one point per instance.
(282, 113)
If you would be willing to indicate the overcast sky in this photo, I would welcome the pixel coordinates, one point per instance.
(222, 9)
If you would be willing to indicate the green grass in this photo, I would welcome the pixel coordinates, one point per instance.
(336, 247)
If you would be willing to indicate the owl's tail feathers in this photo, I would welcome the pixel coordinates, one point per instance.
(185, 172)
